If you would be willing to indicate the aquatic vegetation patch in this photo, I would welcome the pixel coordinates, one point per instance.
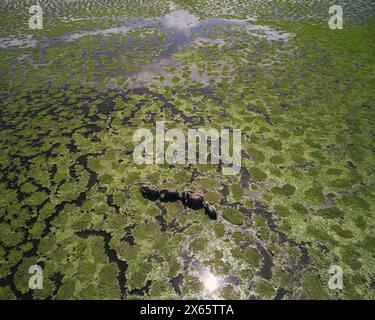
(233, 216)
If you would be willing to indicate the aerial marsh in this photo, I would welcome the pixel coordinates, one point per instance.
(300, 207)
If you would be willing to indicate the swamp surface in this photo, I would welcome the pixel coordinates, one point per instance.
(73, 94)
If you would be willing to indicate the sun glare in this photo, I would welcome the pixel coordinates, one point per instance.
(211, 283)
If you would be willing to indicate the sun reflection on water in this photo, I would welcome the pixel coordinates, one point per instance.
(211, 282)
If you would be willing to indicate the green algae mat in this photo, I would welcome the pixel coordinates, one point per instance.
(72, 94)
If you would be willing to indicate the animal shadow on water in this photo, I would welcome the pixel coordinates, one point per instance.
(189, 199)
